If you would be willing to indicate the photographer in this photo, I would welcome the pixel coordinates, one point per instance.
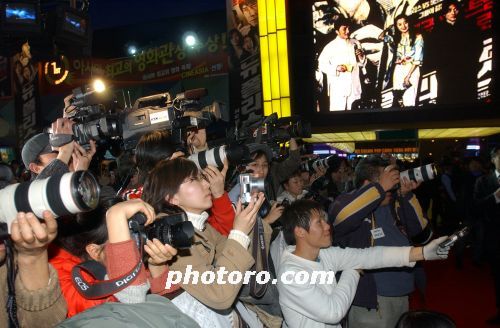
(262, 167)
(197, 140)
(103, 236)
(178, 182)
(37, 292)
(156, 146)
(43, 160)
(377, 213)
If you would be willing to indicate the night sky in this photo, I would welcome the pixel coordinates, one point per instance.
(113, 13)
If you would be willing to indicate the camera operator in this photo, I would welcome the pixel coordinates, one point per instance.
(379, 214)
(155, 146)
(103, 236)
(37, 292)
(43, 160)
(197, 140)
(178, 182)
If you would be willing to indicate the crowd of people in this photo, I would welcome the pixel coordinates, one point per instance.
(356, 220)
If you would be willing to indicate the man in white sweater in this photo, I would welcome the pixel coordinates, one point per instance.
(311, 302)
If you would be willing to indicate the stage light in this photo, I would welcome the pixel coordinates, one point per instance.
(190, 39)
(132, 50)
(99, 86)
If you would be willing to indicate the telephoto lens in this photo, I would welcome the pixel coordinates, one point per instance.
(314, 165)
(216, 156)
(62, 194)
(420, 174)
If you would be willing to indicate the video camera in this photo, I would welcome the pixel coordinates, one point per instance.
(93, 121)
(272, 130)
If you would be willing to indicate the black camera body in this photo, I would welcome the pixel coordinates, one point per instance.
(285, 203)
(313, 165)
(173, 229)
(271, 131)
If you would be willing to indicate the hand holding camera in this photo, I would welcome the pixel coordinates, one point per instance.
(123, 211)
(244, 219)
(318, 173)
(407, 185)
(82, 157)
(31, 237)
(216, 179)
(61, 138)
(158, 255)
(389, 178)
(274, 213)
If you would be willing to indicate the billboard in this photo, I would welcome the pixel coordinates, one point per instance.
(245, 81)
(395, 55)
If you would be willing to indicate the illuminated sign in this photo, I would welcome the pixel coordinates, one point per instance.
(56, 72)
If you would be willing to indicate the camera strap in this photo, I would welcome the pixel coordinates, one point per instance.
(11, 305)
(102, 288)
(258, 290)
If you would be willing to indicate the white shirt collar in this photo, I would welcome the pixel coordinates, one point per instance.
(497, 173)
(198, 220)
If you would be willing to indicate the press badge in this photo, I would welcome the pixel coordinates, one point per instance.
(377, 233)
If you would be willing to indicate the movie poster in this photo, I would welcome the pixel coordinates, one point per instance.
(25, 78)
(245, 81)
(400, 54)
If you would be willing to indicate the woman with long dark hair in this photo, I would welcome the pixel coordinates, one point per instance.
(409, 55)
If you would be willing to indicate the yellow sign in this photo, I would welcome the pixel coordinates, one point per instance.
(56, 71)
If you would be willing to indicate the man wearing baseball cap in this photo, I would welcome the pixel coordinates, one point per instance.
(41, 159)
(37, 154)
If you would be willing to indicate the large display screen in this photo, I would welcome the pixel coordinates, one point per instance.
(20, 12)
(401, 54)
(75, 24)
